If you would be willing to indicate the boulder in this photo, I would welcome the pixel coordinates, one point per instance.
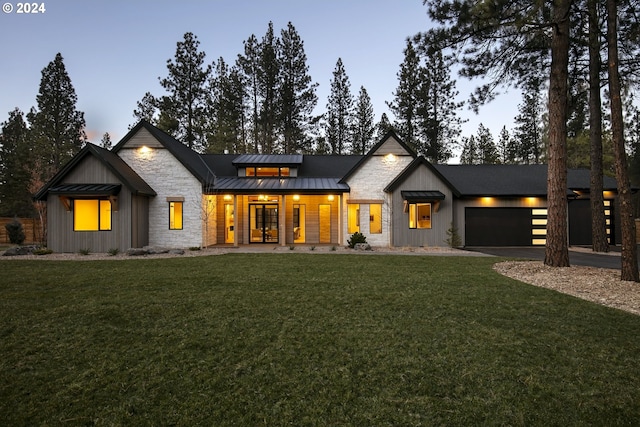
(176, 252)
(362, 247)
(136, 252)
(20, 250)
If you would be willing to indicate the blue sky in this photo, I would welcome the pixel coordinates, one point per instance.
(115, 50)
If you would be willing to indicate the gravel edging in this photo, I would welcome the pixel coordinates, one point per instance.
(599, 285)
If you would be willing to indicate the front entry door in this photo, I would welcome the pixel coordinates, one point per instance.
(263, 223)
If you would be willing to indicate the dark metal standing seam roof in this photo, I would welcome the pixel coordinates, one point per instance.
(268, 159)
(422, 195)
(86, 189)
(234, 184)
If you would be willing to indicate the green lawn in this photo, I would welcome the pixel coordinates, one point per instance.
(306, 339)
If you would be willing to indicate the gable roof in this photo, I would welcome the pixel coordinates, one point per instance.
(111, 161)
(411, 167)
(512, 180)
(372, 151)
(189, 158)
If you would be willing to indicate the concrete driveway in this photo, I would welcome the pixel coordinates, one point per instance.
(577, 255)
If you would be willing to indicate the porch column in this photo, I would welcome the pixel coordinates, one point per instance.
(340, 220)
(236, 221)
(282, 221)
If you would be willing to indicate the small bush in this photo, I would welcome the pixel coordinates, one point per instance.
(356, 237)
(85, 251)
(333, 248)
(291, 247)
(113, 251)
(194, 248)
(15, 231)
(43, 251)
(453, 238)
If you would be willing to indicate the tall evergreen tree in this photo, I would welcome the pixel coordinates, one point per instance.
(470, 154)
(269, 90)
(629, 254)
(506, 147)
(405, 103)
(528, 130)
(297, 92)
(511, 43)
(249, 64)
(185, 84)
(440, 125)
(364, 127)
(486, 146)
(596, 184)
(339, 111)
(16, 168)
(147, 109)
(105, 142)
(383, 126)
(57, 128)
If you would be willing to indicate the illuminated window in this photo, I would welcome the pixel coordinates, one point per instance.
(375, 219)
(175, 215)
(267, 171)
(91, 215)
(353, 218)
(420, 215)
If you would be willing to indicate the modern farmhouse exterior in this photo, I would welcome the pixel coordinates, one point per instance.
(150, 189)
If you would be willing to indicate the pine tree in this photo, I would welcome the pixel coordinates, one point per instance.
(506, 147)
(383, 126)
(249, 64)
(57, 128)
(440, 125)
(185, 84)
(16, 168)
(528, 131)
(339, 111)
(147, 109)
(629, 253)
(297, 92)
(363, 124)
(470, 154)
(105, 142)
(486, 146)
(269, 90)
(406, 103)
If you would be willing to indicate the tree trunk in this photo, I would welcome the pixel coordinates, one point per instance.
(629, 258)
(598, 224)
(557, 249)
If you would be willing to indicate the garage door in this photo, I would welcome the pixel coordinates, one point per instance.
(498, 227)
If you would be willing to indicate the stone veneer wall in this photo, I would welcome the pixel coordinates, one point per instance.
(368, 183)
(169, 178)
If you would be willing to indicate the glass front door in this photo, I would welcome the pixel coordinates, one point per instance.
(263, 223)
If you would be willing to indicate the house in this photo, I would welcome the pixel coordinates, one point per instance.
(150, 189)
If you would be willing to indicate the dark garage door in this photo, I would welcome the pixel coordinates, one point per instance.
(498, 227)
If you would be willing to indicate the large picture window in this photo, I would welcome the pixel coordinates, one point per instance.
(420, 215)
(175, 215)
(91, 215)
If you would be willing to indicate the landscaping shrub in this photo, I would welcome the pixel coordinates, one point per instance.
(15, 231)
(356, 237)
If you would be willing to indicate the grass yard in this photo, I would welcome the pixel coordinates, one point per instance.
(306, 340)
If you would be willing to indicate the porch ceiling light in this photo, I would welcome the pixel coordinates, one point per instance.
(331, 197)
(390, 158)
(296, 197)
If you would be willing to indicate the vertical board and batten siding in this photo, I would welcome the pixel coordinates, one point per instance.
(168, 178)
(422, 179)
(62, 238)
(495, 202)
(368, 183)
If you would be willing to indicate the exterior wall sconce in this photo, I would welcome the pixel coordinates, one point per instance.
(227, 197)
(331, 197)
(296, 197)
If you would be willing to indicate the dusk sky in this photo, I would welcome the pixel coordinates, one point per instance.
(115, 50)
